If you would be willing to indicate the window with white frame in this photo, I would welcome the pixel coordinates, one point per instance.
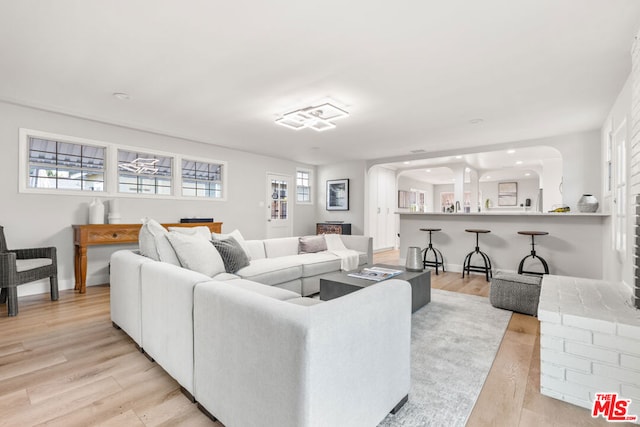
(144, 173)
(78, 166)
(59, 165)
(619, 222)
(202, 179)
(303, 186)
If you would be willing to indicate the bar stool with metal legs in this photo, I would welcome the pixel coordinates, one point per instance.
(436, 253)
(467, 267)
(533, 254)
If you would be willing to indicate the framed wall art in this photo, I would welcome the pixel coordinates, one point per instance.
(507, 194)
(338, 195)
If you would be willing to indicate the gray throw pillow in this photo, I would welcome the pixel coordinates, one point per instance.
(233, 256)
(311, 244)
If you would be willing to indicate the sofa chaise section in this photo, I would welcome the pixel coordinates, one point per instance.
(261, 361)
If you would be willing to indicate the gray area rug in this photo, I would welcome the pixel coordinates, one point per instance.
(454, 340)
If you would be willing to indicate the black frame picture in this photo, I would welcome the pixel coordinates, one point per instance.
(338, 195)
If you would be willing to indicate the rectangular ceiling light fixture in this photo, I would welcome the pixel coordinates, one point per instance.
(316, 117)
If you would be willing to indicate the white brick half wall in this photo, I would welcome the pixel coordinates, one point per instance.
(589, 341)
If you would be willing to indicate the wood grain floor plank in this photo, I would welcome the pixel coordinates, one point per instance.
(12, 348)
(173, 406)
(13, 400)
(127, 418)
(500, 401)
(152, 387)
(15, 368)
(51, 409)
(84, 374)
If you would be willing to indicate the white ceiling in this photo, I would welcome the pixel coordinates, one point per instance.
(411, 73)
(514, 164)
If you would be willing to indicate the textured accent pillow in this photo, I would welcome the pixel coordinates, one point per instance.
(233, 256)
(236, 235)
(201, 231)
(311, 244)
(196, 254)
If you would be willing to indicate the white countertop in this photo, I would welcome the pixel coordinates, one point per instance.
(509, 213)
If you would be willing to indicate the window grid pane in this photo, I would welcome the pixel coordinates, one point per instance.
(143, 173)
(65, 166)
(303, 186)
(201, 179)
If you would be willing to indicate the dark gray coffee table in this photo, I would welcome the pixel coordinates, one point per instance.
(339, 283)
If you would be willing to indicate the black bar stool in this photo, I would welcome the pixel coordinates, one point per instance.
(436, 253)
(467, 267)
(533, 253)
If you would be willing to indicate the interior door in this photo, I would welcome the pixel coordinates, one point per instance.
(279, 206)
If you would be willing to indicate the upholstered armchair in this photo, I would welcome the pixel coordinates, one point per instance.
(20, 266)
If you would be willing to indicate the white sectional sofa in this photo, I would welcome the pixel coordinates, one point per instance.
(320, 363)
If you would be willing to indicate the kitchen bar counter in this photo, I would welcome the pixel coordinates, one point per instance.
(574, 246)
(509, 213)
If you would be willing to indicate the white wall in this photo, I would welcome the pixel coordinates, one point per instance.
(355, 171)
(581, 166)
(32, 220)
(405, 183)
(527, 189)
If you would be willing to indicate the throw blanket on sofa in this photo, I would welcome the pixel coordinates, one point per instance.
(348, 257)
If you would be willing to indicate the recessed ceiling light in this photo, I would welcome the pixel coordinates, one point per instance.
(458, 157)
(467, 169)
(476, 121)
(519, 162)
(406, 163)
(428, 170)
(121, 96)
(488, 177)
(511, 151)
(527, 174)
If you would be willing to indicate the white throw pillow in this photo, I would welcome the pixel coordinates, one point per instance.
(153, 243)
(165, 250)
(147, 236)
(236, 235)
(334, 242)
(201, 231)
(196, 253)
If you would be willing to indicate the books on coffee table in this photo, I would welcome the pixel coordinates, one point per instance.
(375, 273)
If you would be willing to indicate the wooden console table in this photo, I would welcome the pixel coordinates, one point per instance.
(112, 234)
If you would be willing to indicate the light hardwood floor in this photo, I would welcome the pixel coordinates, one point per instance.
(62, 363)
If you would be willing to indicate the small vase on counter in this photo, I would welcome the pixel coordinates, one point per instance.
(588, 203)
